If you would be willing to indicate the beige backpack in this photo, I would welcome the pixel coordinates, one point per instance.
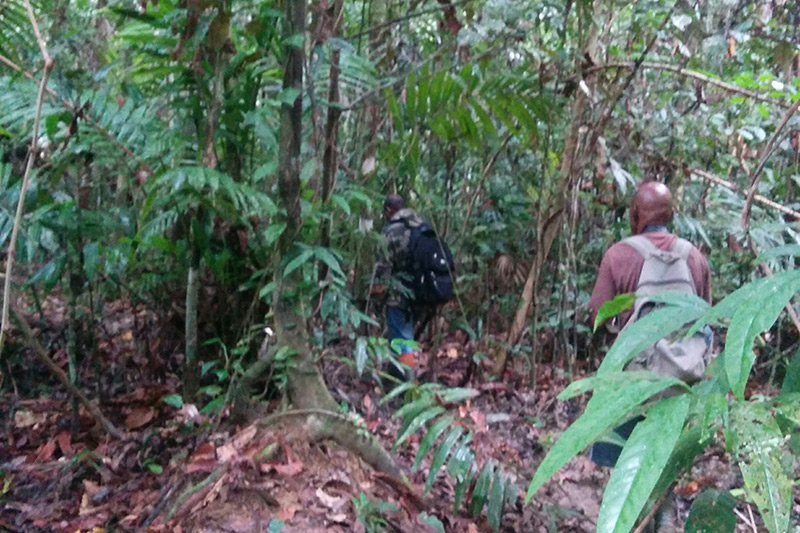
(676, 356)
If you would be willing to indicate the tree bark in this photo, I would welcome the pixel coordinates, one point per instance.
(329, 158)
(572, 162)
(306, 387)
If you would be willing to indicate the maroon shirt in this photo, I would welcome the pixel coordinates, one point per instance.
(621, 266)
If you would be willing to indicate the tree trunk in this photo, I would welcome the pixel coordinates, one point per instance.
(329, 159)
(572, 162)
(307, 389)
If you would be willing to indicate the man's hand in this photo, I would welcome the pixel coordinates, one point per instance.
(378, 289)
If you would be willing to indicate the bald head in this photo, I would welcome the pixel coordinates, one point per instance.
(652, 204)
(392, 204)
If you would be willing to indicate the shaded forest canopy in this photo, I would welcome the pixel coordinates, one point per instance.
(192, 196)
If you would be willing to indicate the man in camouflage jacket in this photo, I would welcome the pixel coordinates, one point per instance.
(393, 272)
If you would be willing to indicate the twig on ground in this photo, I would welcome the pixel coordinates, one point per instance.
(191, 490)
(652, 512)
(41, 353)
(166, 494)
(747, 521)
(26, 178)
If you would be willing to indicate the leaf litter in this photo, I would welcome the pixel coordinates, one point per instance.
(75, 479)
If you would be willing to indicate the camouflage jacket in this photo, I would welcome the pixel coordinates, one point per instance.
(394, 260)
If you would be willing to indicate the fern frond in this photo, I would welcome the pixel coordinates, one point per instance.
(492, 488)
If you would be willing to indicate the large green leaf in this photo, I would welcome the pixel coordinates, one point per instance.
(640, 464)
(620, 303)
(608, 407)
(445, 447)
(756, 314)
(760, 447)
(433, 433)
(417, 422)
(618, 380)
(712, 512)
(651, 328)
(496, 500)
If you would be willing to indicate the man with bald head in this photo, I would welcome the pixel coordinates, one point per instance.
(621, 267)
(649, 214)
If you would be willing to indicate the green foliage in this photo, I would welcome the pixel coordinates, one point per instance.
(712, 512)
(431, 412)
(620, 303)
(370, 512)
(676, 428)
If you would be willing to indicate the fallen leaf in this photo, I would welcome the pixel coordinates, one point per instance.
(472, 528)
(243, 438)
(25, 419)
(452, 352)
(479, 419)
(64, 443)
(226, 452)
(339, 518)
(368, 405)
(332, 502)
(45, 452)
(139, 417)
(90, 488)
(127, 336)
(287, 513)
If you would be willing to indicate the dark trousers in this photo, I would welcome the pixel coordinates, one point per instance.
(607, 453)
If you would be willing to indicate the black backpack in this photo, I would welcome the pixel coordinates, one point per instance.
(431, 266)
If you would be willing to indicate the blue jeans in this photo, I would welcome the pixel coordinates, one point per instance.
(400, 323)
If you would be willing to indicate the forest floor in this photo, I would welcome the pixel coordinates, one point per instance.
(54, 477)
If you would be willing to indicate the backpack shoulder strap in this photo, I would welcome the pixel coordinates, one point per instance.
(682, 248)
(642, 245)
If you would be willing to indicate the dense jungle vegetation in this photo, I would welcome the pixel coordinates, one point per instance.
(191, 197)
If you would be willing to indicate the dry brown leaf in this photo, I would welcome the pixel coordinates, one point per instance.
(243, 438)
(64, 443)
(287, 513)
(45, 452)
(452, 352)
(139, 417)
(127, 336)
(472, 528)
(90, 488)
(331, 502)
(368, 405)
(227, 452)
(25, 419)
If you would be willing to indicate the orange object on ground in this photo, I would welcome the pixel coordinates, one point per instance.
(407, 359)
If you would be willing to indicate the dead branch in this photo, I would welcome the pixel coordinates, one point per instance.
(26, 178)
(191, 490)
(34, 344)
(713, 178)
(694, 75)
(765, 270)
(755, 176)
